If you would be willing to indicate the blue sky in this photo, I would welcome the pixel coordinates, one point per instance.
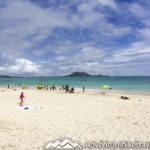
(58, 37)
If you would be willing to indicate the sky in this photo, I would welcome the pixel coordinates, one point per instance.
(58, 37)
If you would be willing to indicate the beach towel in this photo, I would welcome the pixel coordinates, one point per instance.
(28, 107)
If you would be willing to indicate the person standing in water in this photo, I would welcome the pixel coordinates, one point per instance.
(21, 98)
(83, 89)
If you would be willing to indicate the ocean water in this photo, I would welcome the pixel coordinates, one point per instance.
(116, 83)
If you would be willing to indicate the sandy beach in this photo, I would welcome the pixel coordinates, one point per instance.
(79, 116)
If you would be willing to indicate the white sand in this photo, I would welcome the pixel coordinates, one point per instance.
(82, 117)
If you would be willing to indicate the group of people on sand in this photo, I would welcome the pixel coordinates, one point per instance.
(67, 89)
(25, 86)
(51, 87)
(43, 86)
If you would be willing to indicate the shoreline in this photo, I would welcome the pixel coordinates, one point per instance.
(94, 91)
(118, 92)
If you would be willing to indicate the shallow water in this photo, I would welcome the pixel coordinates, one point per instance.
(116, 83)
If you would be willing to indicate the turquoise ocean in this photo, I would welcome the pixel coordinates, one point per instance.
(141, 83)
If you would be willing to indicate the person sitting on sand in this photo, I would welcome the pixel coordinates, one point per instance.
(21, 98)
(124, 97)
(71, 90)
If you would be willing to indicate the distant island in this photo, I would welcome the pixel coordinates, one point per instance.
(83, 74)
(3, 76)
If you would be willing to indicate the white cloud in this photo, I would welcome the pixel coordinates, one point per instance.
(60, 58)
(89, 55)
(137, 10)
(135, 52)
(24, 66)
(109, 3)
(145, 33)
(1, 68)
(140, 12)
(25, 25)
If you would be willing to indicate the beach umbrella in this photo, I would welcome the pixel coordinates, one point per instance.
(105, 87)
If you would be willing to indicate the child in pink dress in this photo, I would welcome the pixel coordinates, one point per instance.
(21, 98)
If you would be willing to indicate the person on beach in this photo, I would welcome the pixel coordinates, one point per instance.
(71, 90)
(23, 87)
(83, 89)
(51, 86)
(67, 88)
(21, 98)
(124, 97)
